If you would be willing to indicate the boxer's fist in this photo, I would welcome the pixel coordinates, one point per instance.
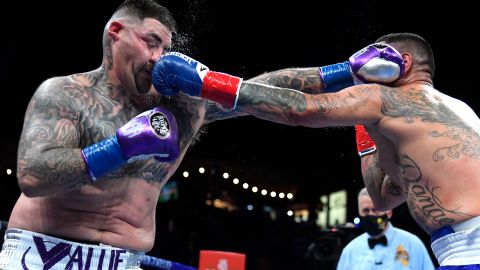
(153, 133)
(175, 72)
(376, 63)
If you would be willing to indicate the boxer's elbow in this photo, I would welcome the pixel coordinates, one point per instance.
(31, 186)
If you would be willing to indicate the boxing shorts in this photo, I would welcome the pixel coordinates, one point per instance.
(34, 251)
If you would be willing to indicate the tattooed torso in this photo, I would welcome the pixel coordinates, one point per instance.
(70, 113)
(429, 145)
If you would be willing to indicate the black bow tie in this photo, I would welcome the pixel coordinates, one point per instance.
(372, 242)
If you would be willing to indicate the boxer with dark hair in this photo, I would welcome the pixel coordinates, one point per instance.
(96, 149)
(427, 143)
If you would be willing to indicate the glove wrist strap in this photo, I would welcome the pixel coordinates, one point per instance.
(221, 88)
(336, 77)
(103, 157)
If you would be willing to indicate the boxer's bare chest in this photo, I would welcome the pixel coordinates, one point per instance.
(104, 116)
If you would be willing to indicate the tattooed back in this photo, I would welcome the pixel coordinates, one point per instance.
(428, 145)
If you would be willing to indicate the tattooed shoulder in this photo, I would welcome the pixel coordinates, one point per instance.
(397, 102)
(412, 104)
(64, 97)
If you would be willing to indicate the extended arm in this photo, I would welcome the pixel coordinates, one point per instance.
(176, 72)
(376, 63)
(306, 80)
(357, 104)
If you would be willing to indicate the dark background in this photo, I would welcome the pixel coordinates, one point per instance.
(43, 39)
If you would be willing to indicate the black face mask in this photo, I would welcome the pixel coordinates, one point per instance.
(374, 225)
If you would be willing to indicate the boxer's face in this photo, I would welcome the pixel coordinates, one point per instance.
(142, 44)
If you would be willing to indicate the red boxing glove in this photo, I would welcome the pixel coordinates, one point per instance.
(365, 143)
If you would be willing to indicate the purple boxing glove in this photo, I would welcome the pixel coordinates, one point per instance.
(153, 133)
(376, 63)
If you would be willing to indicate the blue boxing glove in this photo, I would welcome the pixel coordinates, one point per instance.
(376, 63)
(175, 72)
(153, 133)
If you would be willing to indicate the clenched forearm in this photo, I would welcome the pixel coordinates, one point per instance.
(292, 107)
(385, 194)
(271, 103)
(306, 80)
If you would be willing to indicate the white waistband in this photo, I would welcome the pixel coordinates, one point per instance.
(29, 250)
(467, 224)
(458, 248)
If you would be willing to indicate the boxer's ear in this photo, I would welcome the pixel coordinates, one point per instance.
(114, 28)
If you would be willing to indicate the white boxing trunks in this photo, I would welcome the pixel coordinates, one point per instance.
(458, 246)
(34, 251)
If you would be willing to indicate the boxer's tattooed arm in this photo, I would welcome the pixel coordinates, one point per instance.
(261, 92)
(271, 103)
(372, 177)
(413, 104)
(292, 107)
(306, 80)
(385, 193)
(215, 112)
(48, 157)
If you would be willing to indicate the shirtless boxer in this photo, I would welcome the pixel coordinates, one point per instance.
(96, 149)
(427, 142)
